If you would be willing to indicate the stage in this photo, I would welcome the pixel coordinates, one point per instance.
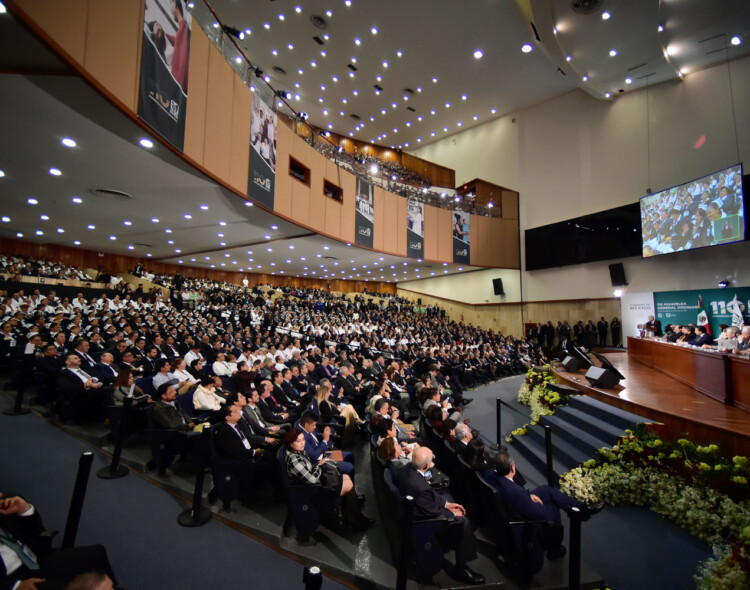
(680, 408)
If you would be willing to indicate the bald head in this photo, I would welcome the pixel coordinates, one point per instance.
(422, 458)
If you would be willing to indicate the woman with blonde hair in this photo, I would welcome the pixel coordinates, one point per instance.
(328, 409)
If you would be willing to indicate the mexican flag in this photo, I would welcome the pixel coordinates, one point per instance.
(703, 317)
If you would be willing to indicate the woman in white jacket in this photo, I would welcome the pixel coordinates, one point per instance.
(205, 399)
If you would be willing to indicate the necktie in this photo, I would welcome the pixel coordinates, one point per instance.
(26, 555)
(84, 374)
(242, 436)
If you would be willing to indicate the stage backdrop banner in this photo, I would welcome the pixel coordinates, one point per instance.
(262, 178)
(461, 233)
(414, 229)
(681, 307)
(162, 98)
(634, 310)
(365, 215)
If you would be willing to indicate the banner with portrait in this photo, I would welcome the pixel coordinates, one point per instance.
(684, 307)
(461, 237)
(165, 60)
(414, 228)
(365, 215)
(634, 311)
(262, 177)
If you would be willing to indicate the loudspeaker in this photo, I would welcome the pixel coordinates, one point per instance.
(617, 275)
(571, 364)
(497, 285)
(601, 378)
(419, 301)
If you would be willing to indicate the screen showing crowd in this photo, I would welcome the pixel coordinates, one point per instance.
(705, 212)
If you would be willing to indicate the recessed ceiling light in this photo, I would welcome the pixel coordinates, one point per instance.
(476, 118)
(6, 219)
(433, 112)
(374, 31)
(113, 238)
(335, 78)
(39, 232)
(434, 80)
(447, 105)
(77, 200)
(154, 220)
(126, 222)
(19, 235)
(170, 242)
(736, 40)
(55, 171)
(204, 207)
(568, 58)
(222, 223)
(168, 231)
(527, 47)
(660, 29)
(357, 42)
(146, 142)
(76, 243)
(329, 13)
(606, 15)
(585, 78)
(493, 111)
(399, 54)
(44, 217)
(148, 254)
(628, 80)
(68, 142)
(2, 173)
(290, 46)
(298, 9)
(385, 64)
(238, 60)
(478, 54)
(281, 17)
(607, 95)
(274, 52)
(612, 52)
(266, 26)
(32, 201)
(131, 247)
(91, 226)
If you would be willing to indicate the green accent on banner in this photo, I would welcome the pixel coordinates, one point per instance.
(681, 307)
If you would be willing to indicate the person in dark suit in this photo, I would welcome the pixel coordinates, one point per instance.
(49, 365)
(254, 417)
(323, 370)
(428, 503)
(258, 435)
(702, 338)
(653, 324)
(105, 369)
(81, 350)
(602, 327)
(270, 409)
(81, 391)
(316, 447)
(542, 503)
(27, 554)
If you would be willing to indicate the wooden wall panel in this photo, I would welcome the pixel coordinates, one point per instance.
(401, 226)
(389, 220)
(239, 164)
(431, 234)
(113, 52)
(349, 207)
(510, 205)
(195, 119)
(378, 214)
(333, 217)
(300, 201)
(445, 235)
(507, 242)
(283, 186)
(64, 22)
(494, 242)
(300, 150)
(318, 201)
(216, 151)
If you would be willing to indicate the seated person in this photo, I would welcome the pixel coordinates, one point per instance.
(431, 503)
(185, 381)
(302, 469)
(392, 455)
(36, 562)
(168, 415)
(542, 503)
(385, 428)
(743, 341)
(702, 338)
(448, 430)
(205, 398)
(317, 448)
(383, 408)
(84, 392)
(329, 409)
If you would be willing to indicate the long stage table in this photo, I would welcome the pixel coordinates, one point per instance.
(681, 408)
(720, 375)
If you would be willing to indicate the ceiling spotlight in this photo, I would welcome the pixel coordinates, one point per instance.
(147, 143)
(568, 58)
(374, 31)
(385, 64)
(585, 78)
(606, 15)
(303, 115)
(233, 32)
(736, 40)
(607, 95)
(5, 219)
(628, 80)
(298, 9)
(527, 47)
(478, 54)
(374, 169)
(358, 42)
(55, 172)
(66, 141)
(612, 52)
(32, 201)
(399, 54)
(660, 29)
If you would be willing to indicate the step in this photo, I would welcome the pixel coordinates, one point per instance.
(614, 416)
(601, 429)
(565, 455)
(579, 438)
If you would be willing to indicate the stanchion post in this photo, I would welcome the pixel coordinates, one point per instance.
(312, 578)
(76, 501)
(548, 454)
(574, 563)
(198, 514)
(498, 416)
(403, 560)
(115, 470)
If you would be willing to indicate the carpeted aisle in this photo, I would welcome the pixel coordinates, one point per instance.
(134, 519)
(631, 547)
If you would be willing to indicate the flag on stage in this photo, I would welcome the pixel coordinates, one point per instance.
(737, 319)
(703, 317)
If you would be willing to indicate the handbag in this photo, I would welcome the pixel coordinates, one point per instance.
(330, 476)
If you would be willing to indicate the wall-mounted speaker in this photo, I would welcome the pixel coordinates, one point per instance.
(617, 275)
(419, 301)
(497, 285)
(601, 378)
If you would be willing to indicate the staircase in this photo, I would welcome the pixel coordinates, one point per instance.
(578, 431)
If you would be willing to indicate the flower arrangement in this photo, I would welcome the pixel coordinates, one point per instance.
(535, 394)
(692, 485)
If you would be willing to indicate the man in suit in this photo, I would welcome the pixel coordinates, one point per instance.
(270, 409)
(542, 503)
(323, 370)
(602, 327)
(702, 338)
(255, 419)
(169, 415)
(81, 392)
(654, 325)
(26, 553)
(258, 435)
(316, 446)
(81, 350)
(49, 365)
(105, 369)
(428, 503)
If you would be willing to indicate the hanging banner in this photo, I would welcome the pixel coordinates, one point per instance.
(414, 228)
(461, 233)
(683, 307)
(634, 311)
(162, 99)
(365, 217)
(262, 177)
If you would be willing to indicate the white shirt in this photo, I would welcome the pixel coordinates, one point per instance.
(9, 557)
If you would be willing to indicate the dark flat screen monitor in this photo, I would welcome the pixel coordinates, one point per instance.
(708, 211)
